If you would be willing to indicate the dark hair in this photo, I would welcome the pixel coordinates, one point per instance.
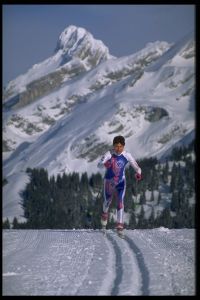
(119, 140)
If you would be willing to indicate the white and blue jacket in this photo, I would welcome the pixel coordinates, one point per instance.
(117, 164)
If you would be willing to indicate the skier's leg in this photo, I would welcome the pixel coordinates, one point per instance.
(120, 193)
(108, 190)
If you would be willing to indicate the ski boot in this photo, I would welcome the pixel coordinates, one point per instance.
(120, 230)
(104, 221)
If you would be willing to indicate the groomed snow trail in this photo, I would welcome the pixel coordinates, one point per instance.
(85, 262)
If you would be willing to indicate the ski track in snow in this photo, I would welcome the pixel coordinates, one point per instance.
(87, 262)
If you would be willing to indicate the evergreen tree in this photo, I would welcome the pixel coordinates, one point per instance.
(158, 220)
(155, 182)
(5, 181)
(6, 224)
(175, 201)
(132, 221)
(15, 223)
(165, 173)
(96, 182)
(159, 198)
(97, 212)
(151, 219)
(180, 179)
(128, 200)
(191, 216)
(174, 178)
(166, 218)
(142, 221)
(152, 196)
(143, 198)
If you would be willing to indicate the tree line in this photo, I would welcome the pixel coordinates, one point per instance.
(75, 201)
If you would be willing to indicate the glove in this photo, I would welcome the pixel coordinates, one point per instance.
(107, 164)
(138, 176)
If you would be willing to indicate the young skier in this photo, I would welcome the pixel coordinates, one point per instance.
(114, 180)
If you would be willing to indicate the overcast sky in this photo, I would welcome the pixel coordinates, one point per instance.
(30, 32)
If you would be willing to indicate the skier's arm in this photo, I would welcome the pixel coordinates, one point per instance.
(133, 163)
(104, 159)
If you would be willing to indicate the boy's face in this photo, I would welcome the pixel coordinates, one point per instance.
(118, 148)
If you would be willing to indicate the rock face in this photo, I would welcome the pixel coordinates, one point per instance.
(153, 114)
(44, 86)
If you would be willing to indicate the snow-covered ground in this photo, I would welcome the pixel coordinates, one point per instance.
(85, 262)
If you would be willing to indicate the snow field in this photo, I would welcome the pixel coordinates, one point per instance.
(85, 262)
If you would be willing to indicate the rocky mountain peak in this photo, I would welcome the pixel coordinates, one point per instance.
(71, 36)
(77, 42)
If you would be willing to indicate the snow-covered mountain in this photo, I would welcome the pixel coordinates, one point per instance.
(76, 52)
(64, 112)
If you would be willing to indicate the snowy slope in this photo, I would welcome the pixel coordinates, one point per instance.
(26, 122)
(85, 262)
(148, 97)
